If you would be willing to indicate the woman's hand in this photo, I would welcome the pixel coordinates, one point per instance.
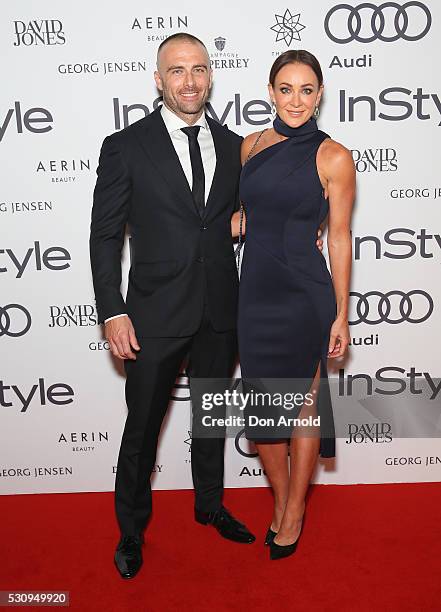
(319, 241)
(235, 222)
(339, 338)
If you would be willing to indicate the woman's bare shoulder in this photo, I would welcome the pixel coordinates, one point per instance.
(247, 144)
(332, 148)
(333, 154)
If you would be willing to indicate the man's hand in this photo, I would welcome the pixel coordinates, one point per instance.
(122, 339)
(319, 242)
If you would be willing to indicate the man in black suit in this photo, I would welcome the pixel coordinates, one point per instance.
(173, 178)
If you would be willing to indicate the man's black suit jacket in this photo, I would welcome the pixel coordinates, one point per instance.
(179, 261)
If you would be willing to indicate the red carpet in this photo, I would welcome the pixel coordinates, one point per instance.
(364, 547)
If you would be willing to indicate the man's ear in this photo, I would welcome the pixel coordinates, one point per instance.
(158, 80)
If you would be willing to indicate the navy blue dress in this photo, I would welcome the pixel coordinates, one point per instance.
(286, 296)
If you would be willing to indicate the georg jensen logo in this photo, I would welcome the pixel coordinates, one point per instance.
(387, 22)
(287, 27)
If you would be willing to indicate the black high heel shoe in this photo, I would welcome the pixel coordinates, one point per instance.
(278, 551)
(270, 535)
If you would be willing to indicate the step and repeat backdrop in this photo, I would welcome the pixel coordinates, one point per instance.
(73, 73)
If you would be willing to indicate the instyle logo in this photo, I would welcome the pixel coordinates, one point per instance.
(15, 320)
(405, 381)
(387, 22)
(287, 27)
(35, 258)
(375, 160)
(59, 394)
(77, 315)
(47, 32)
(405, 102)
(375, 307)
(419, 243)
(36, 120)
(235, 112)
(365, 433)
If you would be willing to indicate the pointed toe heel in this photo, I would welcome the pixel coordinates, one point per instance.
(270, 535)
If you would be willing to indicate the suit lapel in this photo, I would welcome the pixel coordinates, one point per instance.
(222, 171)
(157, 145)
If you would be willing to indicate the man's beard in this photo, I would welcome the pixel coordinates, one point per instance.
(194, 108)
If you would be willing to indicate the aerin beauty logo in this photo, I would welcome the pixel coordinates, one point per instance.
(160, 27)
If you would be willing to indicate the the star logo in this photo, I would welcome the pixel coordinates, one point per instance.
(188, 440)
(288, 27)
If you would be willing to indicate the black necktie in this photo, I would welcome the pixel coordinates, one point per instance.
(198, 187)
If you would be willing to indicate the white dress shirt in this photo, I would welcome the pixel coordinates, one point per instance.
(180, 142)
(173, 124)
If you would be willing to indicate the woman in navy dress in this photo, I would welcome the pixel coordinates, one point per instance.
(292, 314)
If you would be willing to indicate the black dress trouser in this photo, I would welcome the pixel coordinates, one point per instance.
(150, 380)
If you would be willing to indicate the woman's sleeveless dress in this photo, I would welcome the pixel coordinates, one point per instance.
(286, 296)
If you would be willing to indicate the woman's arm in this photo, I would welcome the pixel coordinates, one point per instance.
(339, 171)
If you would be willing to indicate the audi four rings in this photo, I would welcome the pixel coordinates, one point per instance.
(379, 21)
(384, 307)
(11, 322)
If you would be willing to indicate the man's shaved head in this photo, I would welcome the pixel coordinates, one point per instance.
(184, 75)
(179, 37)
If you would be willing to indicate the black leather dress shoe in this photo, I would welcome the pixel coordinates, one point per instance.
(128, 556)
(226, 524)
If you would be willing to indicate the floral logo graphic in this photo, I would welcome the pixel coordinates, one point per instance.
(288, 27)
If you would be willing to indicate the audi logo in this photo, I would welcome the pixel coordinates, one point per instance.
(15, 320)
(395, 23)
(403, 311)
(237, 442)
